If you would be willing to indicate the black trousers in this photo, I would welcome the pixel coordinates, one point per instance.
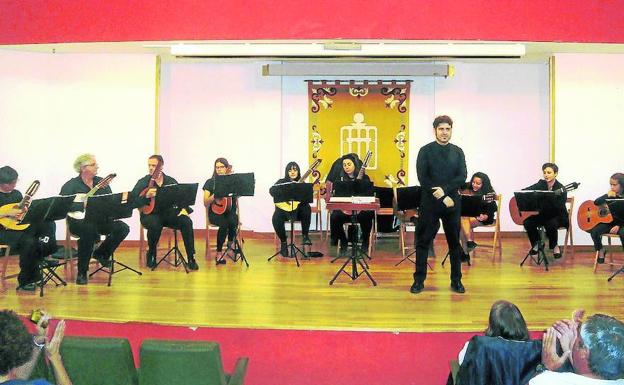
(228, 224)
(339, 218)
(303, 214)
(32, 244)
(431, 212)
(89, 233)
(551, 225)
(603, 228)
(155, 222)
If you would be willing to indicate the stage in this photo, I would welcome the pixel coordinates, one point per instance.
(276, 309)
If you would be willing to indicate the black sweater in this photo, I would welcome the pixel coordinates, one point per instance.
(441, 166)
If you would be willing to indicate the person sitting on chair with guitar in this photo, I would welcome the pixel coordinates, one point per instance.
(551, 219)
(617, 225)
(222, 211)
(479, 185)
(33, 241)
(351, 170)
(284, 210)
(87, 184)
(145, 192)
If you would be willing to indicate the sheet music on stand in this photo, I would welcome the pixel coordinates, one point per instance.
(293, 191)
(408, 198)
(536, 200)
(108, 206)
(241, 184)
(471, 205)
(179, 195)
(48, 209)
(351, 188)
(616, 208)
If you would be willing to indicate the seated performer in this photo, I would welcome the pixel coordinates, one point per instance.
(172, 217)
(89, 231)
(222, 212)
(301, 212)
(32, 243)
(617, 226)
(350, 170)
(551, 218)
(479, 185)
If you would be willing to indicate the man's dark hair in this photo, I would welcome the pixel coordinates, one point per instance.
(507, 321)
(603, 336)
(158, 158)
(551, 165)
(15, 342)
(7, 174)
(442, 119)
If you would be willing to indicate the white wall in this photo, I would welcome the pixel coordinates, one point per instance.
(589, 122)
(54, 107)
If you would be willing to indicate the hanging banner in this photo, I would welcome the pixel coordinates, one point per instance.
(356, 117)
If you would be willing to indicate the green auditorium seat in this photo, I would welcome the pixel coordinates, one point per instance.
(186, 362)
(98, 361)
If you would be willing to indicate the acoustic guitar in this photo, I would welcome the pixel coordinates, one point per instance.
(84, 197)
(148, 208)
(293, 205)
(519, 217)
(11, 223)
(589, 215)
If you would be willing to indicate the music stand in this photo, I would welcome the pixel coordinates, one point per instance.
(48, 209)
(234, 185)
(291, 192)
(408, 198)
(471, 206)
(616, 208)
(357, 256)
(175, 196)
(107, 207)
(536, 200)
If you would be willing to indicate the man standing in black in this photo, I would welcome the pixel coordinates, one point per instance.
(441, 169)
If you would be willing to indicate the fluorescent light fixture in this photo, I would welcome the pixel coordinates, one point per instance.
(356, 69)
(350, 49)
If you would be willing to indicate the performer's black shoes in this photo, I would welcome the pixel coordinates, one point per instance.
(81, 279)
(306, 240)
(151, 261)
(284, 249)
(192, 264)
(105, 262)
(417, 287)
(465, 257)
(471, 245)
(27, 287)
(557, 255)
(600, 256)
(457, 287)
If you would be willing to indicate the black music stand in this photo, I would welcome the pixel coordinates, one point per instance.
(471, 206)
(357, 256)
(107, 207)
(48, 209)
(616, 208)
(408, 198)
(291, 192)
(536, 200)
(176, 197)
(234, 185)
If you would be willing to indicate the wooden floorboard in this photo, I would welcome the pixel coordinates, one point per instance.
(279, 295)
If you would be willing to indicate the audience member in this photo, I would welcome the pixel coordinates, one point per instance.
(19, 351)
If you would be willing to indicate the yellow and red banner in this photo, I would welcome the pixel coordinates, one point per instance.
(356, 117)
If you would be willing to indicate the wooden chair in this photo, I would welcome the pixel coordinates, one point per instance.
(569, 241)
(166, 231)
(496, 243)
(316, 206)
(387, 200)
(609, 251)
(71, 261)
(6, 253)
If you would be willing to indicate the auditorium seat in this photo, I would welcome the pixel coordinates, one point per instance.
(98, 361)
(165, 362)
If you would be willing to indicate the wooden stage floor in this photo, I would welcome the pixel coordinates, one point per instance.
(278, 295)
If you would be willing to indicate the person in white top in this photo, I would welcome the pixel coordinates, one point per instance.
(595, 349)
